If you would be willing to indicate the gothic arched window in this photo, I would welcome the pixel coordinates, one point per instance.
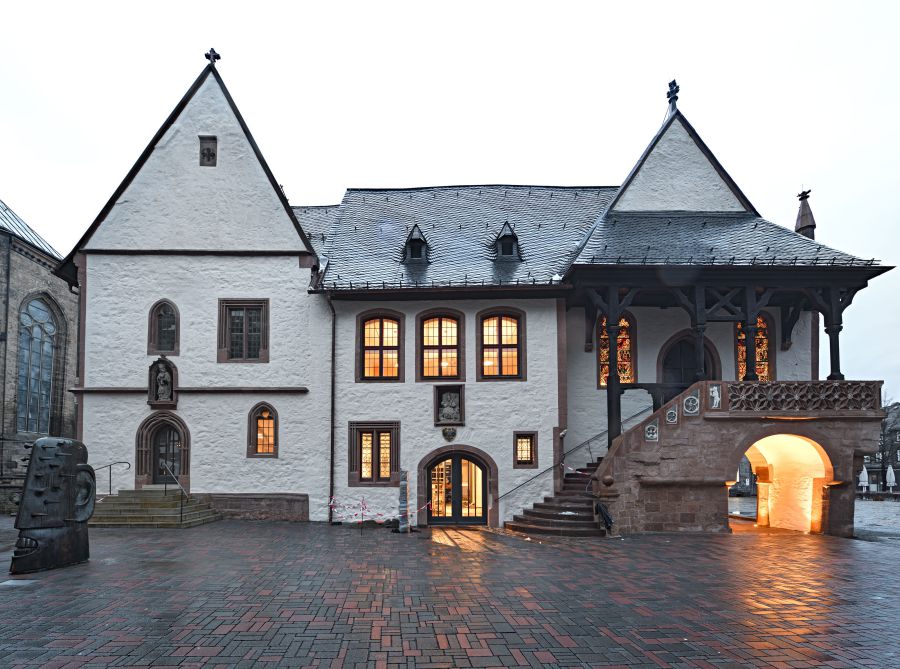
(626, 350)
(262, 432)
(38, 331)
(163, 331)
(765, 366)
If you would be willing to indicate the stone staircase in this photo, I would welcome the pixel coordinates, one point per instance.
(569, 513)
(152, 506)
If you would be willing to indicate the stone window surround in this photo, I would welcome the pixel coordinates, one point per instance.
(209, 141)
(634, 354)
(252, 431)
(223, 333)
(354, 430)
(479, 344)
(770, 327)
(143, 447)
(152, 343)
(534, 450)
(460, 317)
(361, 319)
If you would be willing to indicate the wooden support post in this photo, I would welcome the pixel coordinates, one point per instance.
(613, 387)
(833, 330)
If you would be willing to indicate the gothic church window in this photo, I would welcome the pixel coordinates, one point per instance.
(262, 432)
(625, 342)
(38, 333)
(163, 329)
(764, 352)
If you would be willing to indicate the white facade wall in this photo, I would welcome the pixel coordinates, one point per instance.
(120, 292)
(493, 409)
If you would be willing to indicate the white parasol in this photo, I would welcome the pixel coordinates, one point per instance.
(864, 478)
(889, 479)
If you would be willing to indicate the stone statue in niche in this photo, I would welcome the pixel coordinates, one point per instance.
(56, 503)
(449, 411)
(715, 396)
(163, 383)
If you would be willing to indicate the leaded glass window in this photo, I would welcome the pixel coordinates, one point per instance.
(165, 327)
(381, 348)
(500, 346)
(440, 347)
(243, 330)
(524, 449)
(37, 348)
(265, 432)
(625, 353)
(763, 366)
(375, 455)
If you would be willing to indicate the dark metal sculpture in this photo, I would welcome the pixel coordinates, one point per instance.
(57, 501)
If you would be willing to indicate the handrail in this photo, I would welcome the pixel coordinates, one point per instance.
(110, 466)
(562, 459)
(184, 492)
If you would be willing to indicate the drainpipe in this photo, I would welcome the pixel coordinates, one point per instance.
(333, 395)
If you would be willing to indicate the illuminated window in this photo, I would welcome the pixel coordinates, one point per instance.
(163, 330)
(440, 347)
(262, 432)
(524, 450)
(374, 454)
(763, 350)
(380, 348)
(501, 347)
(243, 331)
(626, 347)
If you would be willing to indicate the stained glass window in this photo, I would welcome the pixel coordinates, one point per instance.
(375, 455)
(165, 328)
(265, 432)
(37, 349)
(625, 344)
(763, 368)
(500, 346)
(381, 348)
(440, 347)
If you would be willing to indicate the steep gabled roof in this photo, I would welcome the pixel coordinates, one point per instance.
(66, 268)
(11, 223)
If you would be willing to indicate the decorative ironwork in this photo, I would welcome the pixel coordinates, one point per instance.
(805, 396)
(672, 95)
(624, 352)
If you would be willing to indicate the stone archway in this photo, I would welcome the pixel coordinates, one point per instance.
(493, 488)
(686, 338)
(144, 448)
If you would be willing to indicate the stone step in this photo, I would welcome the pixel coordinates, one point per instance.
(154, 524)
(138, 511)
(143, 504)
(155, 521)
(562, 522)
(529, 528)
(568, 502)
(150, 494)
(155, 517)
(577, 492)
(561, 513)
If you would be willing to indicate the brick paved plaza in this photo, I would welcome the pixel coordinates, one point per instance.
(255, 594)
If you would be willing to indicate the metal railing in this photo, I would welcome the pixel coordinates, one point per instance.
(110, 466)
(587, 443)
(184, 493)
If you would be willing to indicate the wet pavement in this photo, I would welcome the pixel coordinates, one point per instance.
(258, 594)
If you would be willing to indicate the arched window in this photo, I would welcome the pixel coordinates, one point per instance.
(439, 351)
(501, 345)
(765, 363)
(626, 350)
(38, 340)
(163, 329)
(262, 432)
(380, 347)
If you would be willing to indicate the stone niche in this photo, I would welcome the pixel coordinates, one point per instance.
(449, 405)
(162, 385)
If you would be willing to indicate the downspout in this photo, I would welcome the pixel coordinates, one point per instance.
(333, 396)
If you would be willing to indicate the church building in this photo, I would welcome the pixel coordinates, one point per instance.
(520, 352)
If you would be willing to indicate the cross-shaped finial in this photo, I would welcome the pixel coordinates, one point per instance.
(212, 56)
(804, 195)
(672, 95)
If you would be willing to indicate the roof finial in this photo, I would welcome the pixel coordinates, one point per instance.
(804, 195)
(672, 95)
(806, 223)
(212, 56)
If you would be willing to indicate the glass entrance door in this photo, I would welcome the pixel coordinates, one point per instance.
(457, 492)
(166, 453)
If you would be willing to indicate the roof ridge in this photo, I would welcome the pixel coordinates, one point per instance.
(458, 186)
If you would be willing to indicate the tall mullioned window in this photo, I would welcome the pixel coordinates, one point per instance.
(163, 335)
(440, 347)
(243, 331)
(262, 432)
(38, 330)
(763, 350)
(625, 353)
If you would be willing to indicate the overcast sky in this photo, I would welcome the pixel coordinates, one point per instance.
(788, 95)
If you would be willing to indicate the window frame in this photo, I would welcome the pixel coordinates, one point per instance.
(534, 450)
(629, 316)
(252, 432)
(355, 430)
(57, 367)
(480, 317)
(224, 333)
(361, 320)
(460, 318)
(205, 142)
(153, 334)
(772, 338)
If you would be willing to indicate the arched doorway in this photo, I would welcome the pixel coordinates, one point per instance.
(677, 363)
(162, 450)
(792, 473)
(166, 456)
(457, 490)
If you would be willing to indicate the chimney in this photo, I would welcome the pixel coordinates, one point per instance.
(806, 224)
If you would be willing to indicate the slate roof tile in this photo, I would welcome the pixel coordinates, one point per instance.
(316, 223)
(15, 226)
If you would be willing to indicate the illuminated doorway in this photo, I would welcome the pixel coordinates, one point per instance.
(792, 477)
(457, 491)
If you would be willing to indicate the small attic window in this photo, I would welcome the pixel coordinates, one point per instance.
(416, 246)
(208, 151)
(507, 244)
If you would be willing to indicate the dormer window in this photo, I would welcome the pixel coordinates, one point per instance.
(507, 244)
(416, 246)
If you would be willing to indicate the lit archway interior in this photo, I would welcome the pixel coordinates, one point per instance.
(792, 473)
